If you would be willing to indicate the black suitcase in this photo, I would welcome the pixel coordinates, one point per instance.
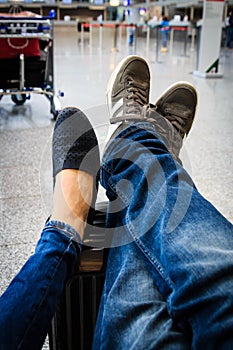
(74, 322)
(34, 72)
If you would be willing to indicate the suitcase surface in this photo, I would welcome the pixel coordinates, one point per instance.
(74, 322)
(9, 72)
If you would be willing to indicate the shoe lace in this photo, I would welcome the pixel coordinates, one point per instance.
(179, 116)
(136, 98)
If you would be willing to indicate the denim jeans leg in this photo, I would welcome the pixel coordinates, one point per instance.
(186, 243)
(133, 314)
(229, 36)
(28, 304)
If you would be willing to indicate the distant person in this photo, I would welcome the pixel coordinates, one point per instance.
(230, 30)
(131, 34)
(165, 28)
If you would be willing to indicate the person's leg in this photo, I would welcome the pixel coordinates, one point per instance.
(29, 303)
(133, 314)
(229, 37)
(186, 243)
(165, 38)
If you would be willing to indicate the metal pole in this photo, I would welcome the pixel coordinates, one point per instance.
(90, 35)
(157, 44)
(135, 38)
(114, 49)
(120, 35)
(148, 40)
(82, 34)
(101, 36)
(198, 31)
(192, 39)
(185, 41)
(22, 72)
(171, 40)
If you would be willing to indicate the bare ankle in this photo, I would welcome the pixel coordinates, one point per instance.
(72, 198)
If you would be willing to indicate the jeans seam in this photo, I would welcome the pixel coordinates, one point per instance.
(155, 263)
(102, 328)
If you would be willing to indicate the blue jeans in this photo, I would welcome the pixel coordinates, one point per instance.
(165, 37)
(132, 313)
(172, 269)
(229, 36)
(29, 303)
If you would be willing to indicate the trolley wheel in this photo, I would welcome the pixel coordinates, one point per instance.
(19, 99)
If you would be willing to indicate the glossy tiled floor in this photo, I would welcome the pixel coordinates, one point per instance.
(82, 73)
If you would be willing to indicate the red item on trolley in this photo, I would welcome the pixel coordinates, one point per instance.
(13, 47)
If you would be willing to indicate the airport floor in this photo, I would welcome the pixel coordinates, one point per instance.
(82, 72)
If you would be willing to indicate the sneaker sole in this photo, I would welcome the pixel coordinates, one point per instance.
(113, 76)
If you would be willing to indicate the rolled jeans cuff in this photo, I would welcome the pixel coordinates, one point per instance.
(67, 230)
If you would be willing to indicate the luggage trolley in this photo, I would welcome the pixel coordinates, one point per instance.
(26, 59)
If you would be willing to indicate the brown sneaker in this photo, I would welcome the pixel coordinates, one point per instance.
(128, 90)
(173, 115)
(178, 105)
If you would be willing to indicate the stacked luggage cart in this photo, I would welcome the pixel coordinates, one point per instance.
(26, 58)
